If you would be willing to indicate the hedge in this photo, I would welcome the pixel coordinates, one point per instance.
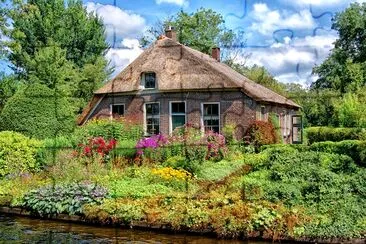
(36, 112)
(354, 148)
(318, 134)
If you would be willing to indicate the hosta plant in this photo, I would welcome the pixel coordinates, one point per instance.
(69, 199)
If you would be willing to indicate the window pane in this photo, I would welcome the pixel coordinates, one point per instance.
(118, 109)
(152, 109)
(178, 108)
(211, 109)
(178, 120)
(149, 80)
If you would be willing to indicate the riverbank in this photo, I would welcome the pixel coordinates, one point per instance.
(163, 229)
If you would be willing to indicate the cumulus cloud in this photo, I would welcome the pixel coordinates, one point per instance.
(323, 3)
(123, 28)
(177, 2)
(293, 59)
(121, 57)
(266, 20)
(125, 24)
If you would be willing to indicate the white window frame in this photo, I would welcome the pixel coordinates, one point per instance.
(171, 114)
(202, 115)
(143, 80)
(114, 104)
(145, 118)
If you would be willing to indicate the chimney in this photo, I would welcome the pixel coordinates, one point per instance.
(170, 33)
(216, 53)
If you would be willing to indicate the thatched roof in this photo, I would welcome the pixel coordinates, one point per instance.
(180, 68)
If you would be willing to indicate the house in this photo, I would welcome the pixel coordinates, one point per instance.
(170, 85)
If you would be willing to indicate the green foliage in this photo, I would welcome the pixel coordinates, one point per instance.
(201, 30)
(214, 171)
(18, 153)
(56, 199)
(353, 148)
(329, 186)
(8, 87)
(318, 134)
(351, 110)
(121, 130)
(39, 112)
(344, 69)
(44, 36)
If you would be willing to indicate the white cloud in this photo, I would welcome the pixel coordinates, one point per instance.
(177, 2)
(323, 2)
(266, 20)
(293, 60)
(123, 23)
(121, 57)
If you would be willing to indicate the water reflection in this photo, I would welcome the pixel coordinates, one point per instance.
(27, 230)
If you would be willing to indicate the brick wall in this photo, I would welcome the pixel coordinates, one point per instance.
(235, 107)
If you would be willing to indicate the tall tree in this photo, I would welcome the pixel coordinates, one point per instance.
(200, 30)
(65, 24)
(345, 69)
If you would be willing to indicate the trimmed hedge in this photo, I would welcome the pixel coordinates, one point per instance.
(36, 111)
(318, 134)
(354, 148)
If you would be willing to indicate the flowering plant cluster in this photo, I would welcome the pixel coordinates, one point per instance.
(216, 145)
(97, 146)
(150, 143)
(168, 173)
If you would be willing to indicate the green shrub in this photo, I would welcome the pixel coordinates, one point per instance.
(120, 130)
(18, 153)
(318, 134)
(56, 199)
(353, 148)
(36, 111)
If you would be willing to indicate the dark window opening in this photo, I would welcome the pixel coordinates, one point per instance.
(118, 109)
(150, 80)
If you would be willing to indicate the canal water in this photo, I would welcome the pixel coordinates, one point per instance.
(14, 229)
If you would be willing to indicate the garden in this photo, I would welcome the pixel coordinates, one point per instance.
(109, 174)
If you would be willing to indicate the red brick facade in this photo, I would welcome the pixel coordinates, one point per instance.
(235, 108)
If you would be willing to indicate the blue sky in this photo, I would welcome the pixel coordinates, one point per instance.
(288, 37)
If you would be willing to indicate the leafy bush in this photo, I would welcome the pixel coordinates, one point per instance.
(36, 111)
(18, 153)
(261, 133)
(318, 134)
(353, 148)
(120, 130)
(51, 200)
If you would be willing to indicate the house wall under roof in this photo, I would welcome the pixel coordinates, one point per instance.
(235, 108)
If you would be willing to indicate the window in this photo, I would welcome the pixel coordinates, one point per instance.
(152, 111)
(177, 114)
(211, 116)
(117, 110)
(150, 80)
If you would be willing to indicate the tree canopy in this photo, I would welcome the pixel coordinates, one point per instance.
(200, 30)
(345, 68)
